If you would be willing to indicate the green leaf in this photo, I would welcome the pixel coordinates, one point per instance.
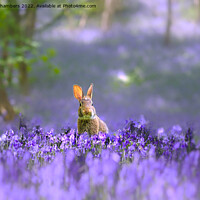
(56, 70)
(35, 44)
(20, 59)
(44, 58)
(29, 68)
(51, 52)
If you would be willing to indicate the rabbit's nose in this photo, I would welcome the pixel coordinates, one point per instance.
(86, 112)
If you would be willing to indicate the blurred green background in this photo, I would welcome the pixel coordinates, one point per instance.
(142, 56)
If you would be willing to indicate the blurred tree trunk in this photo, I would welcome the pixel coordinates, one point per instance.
(167, 39)
(110, 7)
(9, 68)
(83, 20)
(197, 5)
(107, 14)
(30, 19)
(6, 109)
(10, 74)
(23, 78)
(199, 10)
(26, 30)
(4, 56)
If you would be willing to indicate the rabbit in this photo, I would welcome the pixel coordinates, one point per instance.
(88, 121)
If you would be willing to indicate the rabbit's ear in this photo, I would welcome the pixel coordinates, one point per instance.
(78, 92)
(90, 91)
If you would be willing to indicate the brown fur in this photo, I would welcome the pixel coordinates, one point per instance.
(88, 121)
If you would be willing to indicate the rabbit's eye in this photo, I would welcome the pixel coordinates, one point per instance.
(80, 104)
(92, 104)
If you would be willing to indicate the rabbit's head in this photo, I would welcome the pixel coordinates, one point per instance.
(86, 109)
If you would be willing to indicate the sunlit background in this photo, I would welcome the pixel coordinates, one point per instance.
(142, 56)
